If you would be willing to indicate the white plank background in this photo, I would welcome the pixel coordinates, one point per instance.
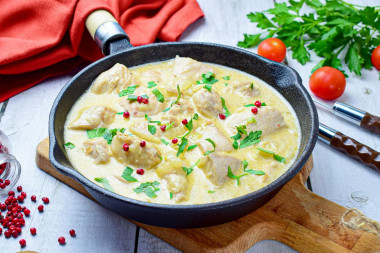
(25, 120)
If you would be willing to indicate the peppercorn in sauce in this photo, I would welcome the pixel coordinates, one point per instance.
(181, 132)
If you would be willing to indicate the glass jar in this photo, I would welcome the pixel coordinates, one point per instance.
(10, 168)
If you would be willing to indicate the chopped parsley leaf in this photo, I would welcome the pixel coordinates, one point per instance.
(152, 129)
(127, 175)
(192, 147)
(208, 87)
(241, 129)
(252, 138)
(120, 113)
(245, 164)
(148, 188)
(134, 97)
(249, 105)
(110, 133)
(151, 84)
(251, 120)
(104, 182)
(263, 104)
(159, 95)
(225, 84)
(149, 119)
(251, 86)
(164, 142)
(170, 195)
(176, 101)
(225, 107)
(128, 91)
(188, 170)
(226, 77)
(189, 124)
(254, 172)
(186, 134)
(196, 116)
(236, 136)
(208, 79)
(231, 175)
(97, 132)
(107, 134)
(182, 145)
(211, 191)
(69, 145)
(213, 144)
(275, 156)
(235, 145)
(169, 126)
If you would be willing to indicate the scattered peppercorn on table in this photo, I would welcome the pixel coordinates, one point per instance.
(24, 118)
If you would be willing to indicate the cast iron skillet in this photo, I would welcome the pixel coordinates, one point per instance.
(283, 78)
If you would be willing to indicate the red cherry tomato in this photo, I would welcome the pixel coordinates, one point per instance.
(327, 83)
(375, 57)
(273, 49)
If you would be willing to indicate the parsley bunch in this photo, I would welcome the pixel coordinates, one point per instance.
(335, 31)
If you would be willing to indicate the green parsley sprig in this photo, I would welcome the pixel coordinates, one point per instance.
(227, 112)
(231, 175)
(208, 79)
(176, 101)
(104, 182)
(213, 145)
(128, 91)
(148, 188)
(69, 145)
(250, 139)
(190, 169)
(279, 158)
(107, 134)
(127, 175)
(254, 172)
(337, 31)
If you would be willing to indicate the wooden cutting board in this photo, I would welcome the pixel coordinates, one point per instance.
(295, 216)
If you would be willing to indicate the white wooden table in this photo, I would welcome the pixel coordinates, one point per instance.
(25, 119)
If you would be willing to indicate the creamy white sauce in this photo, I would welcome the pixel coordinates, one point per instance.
(284, 141)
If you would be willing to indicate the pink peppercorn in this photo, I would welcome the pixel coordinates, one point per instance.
(254, 110)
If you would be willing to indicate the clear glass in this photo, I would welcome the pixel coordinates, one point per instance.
(10, 168)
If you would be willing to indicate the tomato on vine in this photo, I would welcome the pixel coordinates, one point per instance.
(273, 49)
(327, 83)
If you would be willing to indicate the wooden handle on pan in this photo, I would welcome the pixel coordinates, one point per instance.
(107, 32)
(371, 123)
(295, 217)
(356, 150)
(96, 19)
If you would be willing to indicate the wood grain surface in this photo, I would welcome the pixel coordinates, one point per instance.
(306, 223)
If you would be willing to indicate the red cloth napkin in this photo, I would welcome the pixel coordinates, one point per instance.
(45, 38)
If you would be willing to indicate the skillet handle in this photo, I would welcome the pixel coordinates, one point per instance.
(107, 32)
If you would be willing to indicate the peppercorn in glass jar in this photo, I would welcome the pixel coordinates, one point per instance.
(10, 168)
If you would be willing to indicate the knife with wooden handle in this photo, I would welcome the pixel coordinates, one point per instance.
(355, 115)
(349, 147)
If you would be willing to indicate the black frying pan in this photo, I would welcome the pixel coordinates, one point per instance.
(114, 41)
